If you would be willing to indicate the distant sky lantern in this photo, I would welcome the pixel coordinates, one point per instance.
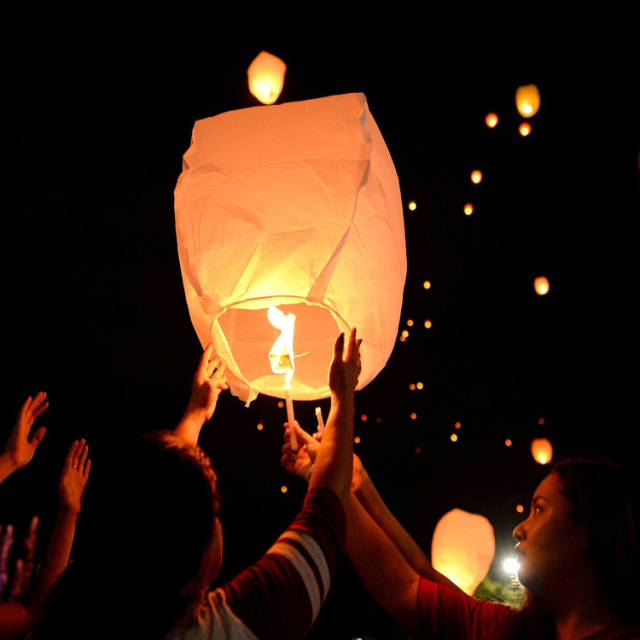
(491, 120)
(476, 176)
(541, 450)
(507, 442)
(427, 284)
(463, 547)
(468, 209)
(420, 385)
(266, 77)
(527, 100)
(412, 206)
(520, 508)
(409, 323)
(454, 437)
(428, 324)
(541, 286)
(286, 206)
(524, 129)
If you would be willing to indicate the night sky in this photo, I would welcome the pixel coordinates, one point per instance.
(94, 308)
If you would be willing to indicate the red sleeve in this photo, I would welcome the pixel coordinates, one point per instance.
(444, 612)
(280, 595)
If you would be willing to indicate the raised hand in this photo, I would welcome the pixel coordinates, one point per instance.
(299, 462)
(208, 381)
(20, 448)
(75, 474)
(346, 365)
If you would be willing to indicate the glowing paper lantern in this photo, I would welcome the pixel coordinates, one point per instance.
(524, 129)
(412, 206)
(266, 77)
(491, 120)
(463, 547)
(468, 209)
(527, 100)
(541, 286)
(476, 176)
(288, 206)
(541, 450)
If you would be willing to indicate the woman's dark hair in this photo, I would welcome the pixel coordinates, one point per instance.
(155, 521)
(602, 498)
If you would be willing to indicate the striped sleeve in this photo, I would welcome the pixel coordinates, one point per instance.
(281, 594)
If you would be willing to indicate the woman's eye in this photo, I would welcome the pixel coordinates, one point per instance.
(537, 509)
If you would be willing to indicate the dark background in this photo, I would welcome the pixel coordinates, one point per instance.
(96, 121)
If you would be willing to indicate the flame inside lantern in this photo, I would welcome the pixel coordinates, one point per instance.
(281, 353)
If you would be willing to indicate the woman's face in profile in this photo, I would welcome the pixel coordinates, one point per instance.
(551, 547)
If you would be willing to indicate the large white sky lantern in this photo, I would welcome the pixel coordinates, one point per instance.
(294, 206)
(463, 547)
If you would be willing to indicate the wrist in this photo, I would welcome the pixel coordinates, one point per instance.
(8, 463)
(69, 512)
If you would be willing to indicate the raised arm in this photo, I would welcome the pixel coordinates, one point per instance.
(370, 499)
(20, 448)
(17, 619)
(334, 461)
(72, 483)
(209, 380)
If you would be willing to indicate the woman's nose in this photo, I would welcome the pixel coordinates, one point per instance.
(519, 532)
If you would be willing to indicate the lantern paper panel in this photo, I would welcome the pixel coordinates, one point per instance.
(296, 206)
(463, 547)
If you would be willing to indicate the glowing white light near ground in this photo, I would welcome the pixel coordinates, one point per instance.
(510, 565)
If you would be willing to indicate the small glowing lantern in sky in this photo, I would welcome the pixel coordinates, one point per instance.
(541, 450)
(463, 547)
(476, 176)
(468, 209)
(266, 77)
(527, 100)
(287, 206)
(524, 129)
(412, 206)
(491, 120)
(541, 285)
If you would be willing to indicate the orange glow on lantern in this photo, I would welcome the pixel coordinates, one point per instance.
(428, 324)
(527, 100)
(284, 488)
(463, 547)
(420, 385)
(540, 420)
(508, 442)
(520, 508)
(357, 439)
(412, 387)
(409, 323)
(457, 425)
(363, 417)
(266, 77)
(413, 416)
(541, 450)
(491, 120)
(454, 437)
(426, 284)
(541, 286)
(524, 129)
(468, 209)
(476, 176)
(259, 426)
(261, 199)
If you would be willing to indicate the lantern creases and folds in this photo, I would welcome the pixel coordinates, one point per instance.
(296, 206)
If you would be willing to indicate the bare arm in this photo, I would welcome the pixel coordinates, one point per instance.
(208, 381)
(383, 569)
(334, 461)
(373, 504)
(72, 483)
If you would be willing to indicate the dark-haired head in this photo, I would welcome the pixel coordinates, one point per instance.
(155, 539)
(602, 499)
